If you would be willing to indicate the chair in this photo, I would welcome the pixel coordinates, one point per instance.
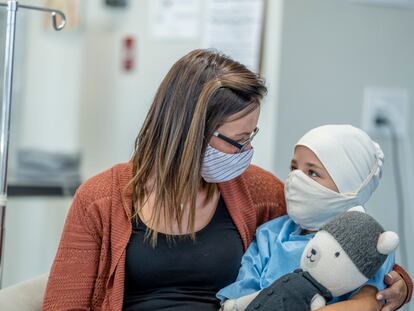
(24, 296)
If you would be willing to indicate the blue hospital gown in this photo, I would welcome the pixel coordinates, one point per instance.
(276, 251)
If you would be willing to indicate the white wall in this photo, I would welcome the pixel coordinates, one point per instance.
(114, 104)
(50, 107)
(76, 97)
(265, 144)
(331, 50)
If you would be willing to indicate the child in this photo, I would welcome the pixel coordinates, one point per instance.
(334, 168)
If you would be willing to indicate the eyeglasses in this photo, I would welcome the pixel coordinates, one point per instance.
(239, 145)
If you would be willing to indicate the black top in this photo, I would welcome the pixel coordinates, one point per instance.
(291, 292)
(182, 274)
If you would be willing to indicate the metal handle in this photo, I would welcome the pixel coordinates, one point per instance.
(54, 13)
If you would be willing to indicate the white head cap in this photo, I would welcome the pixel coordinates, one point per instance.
(352, 159)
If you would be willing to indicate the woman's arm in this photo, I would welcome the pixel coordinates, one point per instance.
(73, 274)
(363, 300)
(399, 291)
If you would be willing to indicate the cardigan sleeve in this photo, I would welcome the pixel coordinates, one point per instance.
(272, 200)
(280, 208)
(74, 270)
(408, 281)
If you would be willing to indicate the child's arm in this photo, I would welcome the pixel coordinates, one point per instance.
(363, 300)
(253, 262)
(248, 279)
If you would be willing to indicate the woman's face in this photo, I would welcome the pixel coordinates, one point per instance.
(305, 160)
(236, 128)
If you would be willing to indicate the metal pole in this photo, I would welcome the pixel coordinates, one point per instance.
(5, 119)
(12, 6)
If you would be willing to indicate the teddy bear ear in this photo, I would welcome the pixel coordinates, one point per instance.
(387, 242)
(357, 208)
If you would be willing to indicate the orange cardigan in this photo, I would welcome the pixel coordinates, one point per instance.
(88, 270)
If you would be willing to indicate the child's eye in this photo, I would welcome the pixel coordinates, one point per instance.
(313, 173)
(292, 168)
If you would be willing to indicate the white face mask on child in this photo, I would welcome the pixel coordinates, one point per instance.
(310, 204)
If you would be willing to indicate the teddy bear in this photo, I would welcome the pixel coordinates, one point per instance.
(342, 256)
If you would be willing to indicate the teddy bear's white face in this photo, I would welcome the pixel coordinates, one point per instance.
(327, 263)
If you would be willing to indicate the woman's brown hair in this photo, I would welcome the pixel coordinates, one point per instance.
(200, 92)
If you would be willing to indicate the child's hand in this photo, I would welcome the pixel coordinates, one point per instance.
(240, 303)
(395, 294)
(229, 305)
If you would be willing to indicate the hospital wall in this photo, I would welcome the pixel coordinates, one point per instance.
(318, 57)
(114, 103)
(75, 97)
(332, 50)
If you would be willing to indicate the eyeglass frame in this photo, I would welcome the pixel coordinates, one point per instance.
(234, 143)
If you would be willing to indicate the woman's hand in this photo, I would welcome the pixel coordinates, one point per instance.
(363, 300)
(394, 296)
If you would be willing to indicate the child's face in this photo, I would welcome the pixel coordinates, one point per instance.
(305, 160)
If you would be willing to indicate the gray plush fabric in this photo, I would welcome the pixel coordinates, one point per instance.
(291, 292)
(358, 234)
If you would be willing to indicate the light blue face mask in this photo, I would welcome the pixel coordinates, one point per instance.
(219, 167)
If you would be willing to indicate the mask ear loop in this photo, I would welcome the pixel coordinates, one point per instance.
(374, 171)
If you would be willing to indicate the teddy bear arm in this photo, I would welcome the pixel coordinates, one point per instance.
(317, 302)
(240, 303)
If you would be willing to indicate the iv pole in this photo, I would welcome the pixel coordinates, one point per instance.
(12, 7)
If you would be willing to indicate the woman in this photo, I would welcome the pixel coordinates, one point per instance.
(169, 228)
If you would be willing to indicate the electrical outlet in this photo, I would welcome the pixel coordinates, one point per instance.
(390, 104)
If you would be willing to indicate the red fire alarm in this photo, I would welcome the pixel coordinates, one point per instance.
(128, 53)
